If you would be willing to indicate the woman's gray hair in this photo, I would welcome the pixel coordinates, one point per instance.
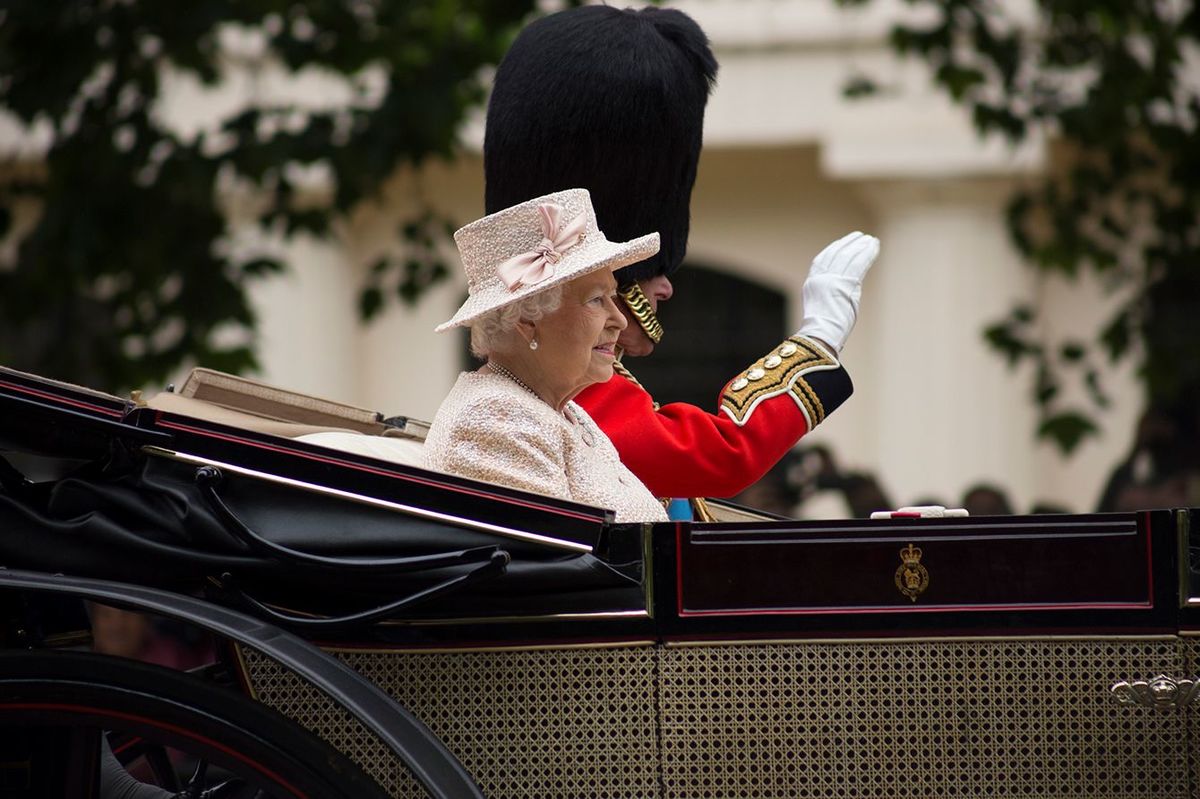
(492, 328)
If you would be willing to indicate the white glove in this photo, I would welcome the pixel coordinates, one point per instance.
(833, 288)
(922, 512)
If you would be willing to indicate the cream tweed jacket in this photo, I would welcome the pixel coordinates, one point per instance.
(491, 429)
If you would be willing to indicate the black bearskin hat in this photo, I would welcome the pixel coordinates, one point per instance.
(610, 100)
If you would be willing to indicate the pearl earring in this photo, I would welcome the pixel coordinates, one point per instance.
(533, 345)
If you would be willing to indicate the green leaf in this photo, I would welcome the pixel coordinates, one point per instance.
(958, 80)
(1072, 351)
(1095, 391)
(1045, 386)
(370, 302)
(989, 118)
(1067, 430)
(859, 86)
(259, 267)
(1117, 335)
(1002, 339)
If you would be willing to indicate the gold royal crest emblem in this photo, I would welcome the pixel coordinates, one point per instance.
(911, 577)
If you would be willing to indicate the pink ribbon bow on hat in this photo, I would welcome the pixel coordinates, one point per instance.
(541, 262)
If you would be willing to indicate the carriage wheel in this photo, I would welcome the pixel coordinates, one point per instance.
(69, 697)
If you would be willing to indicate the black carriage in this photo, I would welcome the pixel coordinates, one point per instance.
(386, 630)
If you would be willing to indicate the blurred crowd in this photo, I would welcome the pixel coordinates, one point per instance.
(1162, 470)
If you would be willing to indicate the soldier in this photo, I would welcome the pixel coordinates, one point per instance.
(612, 100)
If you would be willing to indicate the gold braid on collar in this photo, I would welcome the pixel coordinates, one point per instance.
(639, 306)
(619, 369)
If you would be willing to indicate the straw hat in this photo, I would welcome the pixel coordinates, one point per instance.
(534, 246)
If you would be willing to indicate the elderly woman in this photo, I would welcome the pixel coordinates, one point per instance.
(542, 312)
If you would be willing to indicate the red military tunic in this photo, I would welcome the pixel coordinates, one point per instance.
(680, 450)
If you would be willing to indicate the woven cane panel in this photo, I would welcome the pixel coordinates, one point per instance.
(1030, 719)
(555, 723)
(1191, 660)
(300, 701)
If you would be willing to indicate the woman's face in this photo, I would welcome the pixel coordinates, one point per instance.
(577, 342)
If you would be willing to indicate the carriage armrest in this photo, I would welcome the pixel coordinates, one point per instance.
(262, 408)
(199, 409)
(272, 402)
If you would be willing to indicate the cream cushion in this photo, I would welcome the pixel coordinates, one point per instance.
(407, 451)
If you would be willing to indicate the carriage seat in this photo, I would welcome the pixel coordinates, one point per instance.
(407, 451)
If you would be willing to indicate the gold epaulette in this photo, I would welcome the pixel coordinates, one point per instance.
(783, 370)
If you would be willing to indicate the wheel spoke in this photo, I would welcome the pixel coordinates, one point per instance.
(196, 784)
(161, 766)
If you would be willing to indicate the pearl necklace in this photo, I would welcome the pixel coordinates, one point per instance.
(565, 413)
(500, 370)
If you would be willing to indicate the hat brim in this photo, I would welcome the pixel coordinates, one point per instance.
(601, 255)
